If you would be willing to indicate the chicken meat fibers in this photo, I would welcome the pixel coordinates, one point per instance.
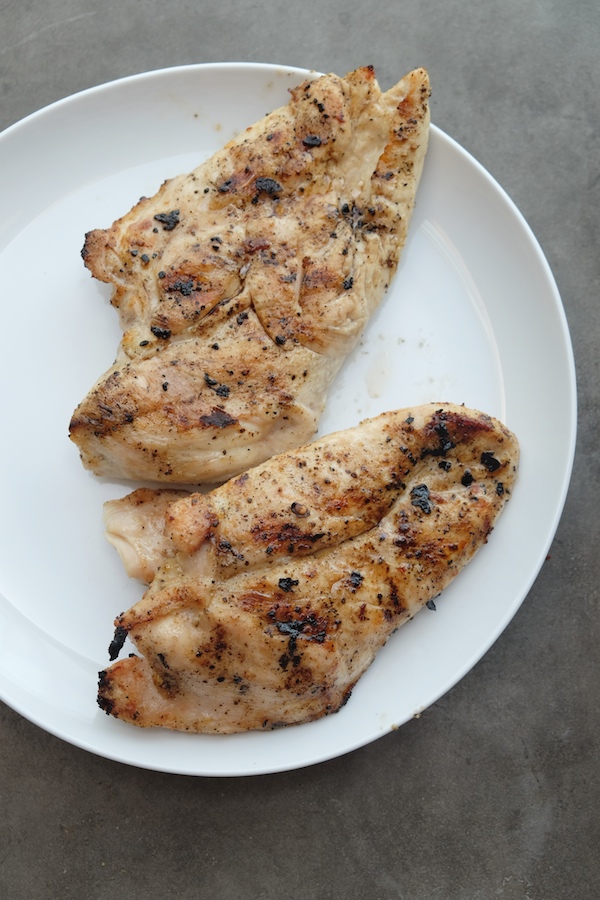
(242, 286)
(270, 596)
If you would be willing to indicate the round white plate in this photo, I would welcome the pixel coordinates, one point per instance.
(472, 317)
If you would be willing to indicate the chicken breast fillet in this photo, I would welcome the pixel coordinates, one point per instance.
(271, 595)
(242, 286)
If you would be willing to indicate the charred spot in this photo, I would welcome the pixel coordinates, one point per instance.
(419, 497)
(268, 186)
(355, 579)
(105, 702)
(312, 140)
(310, 627)
(218, 418)
(116, 645)
(467, 479)
(168, 220)
(288, 535)
(222, 390)
(162, 333)
(455, 427)
(184, 287)
(445, 443)
(490, 462)
(288, 584)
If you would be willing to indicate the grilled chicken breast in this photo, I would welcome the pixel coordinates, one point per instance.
(242, 286)
(271, 595)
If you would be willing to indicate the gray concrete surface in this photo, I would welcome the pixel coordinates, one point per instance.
(494, 792)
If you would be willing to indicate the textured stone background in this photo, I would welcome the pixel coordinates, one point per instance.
(494, 791)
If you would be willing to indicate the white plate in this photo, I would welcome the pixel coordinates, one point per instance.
(473, 317)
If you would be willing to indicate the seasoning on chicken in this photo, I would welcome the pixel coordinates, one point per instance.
(242, 286)
(271, 595)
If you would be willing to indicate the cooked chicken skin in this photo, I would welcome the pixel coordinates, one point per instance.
(271, 595)
(242, 286)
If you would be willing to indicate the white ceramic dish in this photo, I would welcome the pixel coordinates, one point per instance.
(473, 316)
